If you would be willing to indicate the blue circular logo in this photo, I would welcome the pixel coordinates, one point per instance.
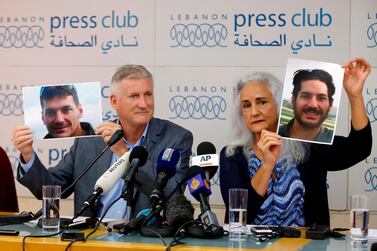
(372, 35)
(371, 109)
(21, 37)
(370, 178)
(202, 107)
(11, 104)
(198, 35)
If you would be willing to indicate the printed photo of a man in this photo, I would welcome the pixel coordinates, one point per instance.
(309, 113)
(62, 111)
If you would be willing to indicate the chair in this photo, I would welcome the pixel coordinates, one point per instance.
(8, 195)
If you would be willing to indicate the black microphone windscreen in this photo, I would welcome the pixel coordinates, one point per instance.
(179, 210)
(115, 138)
(139, 153)
(205, 148)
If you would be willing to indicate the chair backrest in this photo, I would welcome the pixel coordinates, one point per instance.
(8, 195)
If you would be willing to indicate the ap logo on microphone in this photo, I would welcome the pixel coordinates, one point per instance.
(205, 160)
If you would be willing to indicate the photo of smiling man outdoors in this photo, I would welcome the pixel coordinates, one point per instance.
(310, 114)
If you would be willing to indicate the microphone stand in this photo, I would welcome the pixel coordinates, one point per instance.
(156, 209)
(127, 194)
(128, 187)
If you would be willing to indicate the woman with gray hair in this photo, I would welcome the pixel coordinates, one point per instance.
(286, 180)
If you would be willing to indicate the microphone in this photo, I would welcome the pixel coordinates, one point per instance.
(118, 134)
(179, 210)
(194, 170)
(166, 168)
(206, 158)
(200, 190)
(138, 157)
(114, 138)
(108, 180)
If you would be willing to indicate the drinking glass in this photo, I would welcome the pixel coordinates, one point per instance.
(359, 218)
(51, 205)
(237, 213)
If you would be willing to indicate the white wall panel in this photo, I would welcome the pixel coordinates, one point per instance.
(77, 32)
(250, 33)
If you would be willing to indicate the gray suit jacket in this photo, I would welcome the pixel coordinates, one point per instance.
(161, 134)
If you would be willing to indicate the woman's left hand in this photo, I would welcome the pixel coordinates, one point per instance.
(356, 71)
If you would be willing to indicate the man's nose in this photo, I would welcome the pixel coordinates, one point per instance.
(59, 117)
(142, 102)
(313, 102)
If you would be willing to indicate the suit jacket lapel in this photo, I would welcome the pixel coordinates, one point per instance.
(105, 161)
(153, 135)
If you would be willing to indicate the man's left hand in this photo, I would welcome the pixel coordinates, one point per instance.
(106, 130)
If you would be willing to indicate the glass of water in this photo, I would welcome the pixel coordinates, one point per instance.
(359, 217)
(237, 213)
(51, 206)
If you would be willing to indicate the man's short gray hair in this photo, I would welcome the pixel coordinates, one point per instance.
(129, 71)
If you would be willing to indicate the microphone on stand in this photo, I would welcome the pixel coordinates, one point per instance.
(107, 181)
(206, 158)
(191, 173)
(166, 168)
(200, 190)
(179, 210)
(138, 157)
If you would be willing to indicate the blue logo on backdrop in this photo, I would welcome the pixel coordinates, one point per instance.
(11, 104)
(201, 107)
(23, 36)
(198, 35)
(370, 178)
(372, 35)
(371, 109)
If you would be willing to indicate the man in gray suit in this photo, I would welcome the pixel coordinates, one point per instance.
(132, 98)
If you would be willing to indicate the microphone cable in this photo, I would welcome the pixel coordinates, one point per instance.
(46, 235)
(177, 239)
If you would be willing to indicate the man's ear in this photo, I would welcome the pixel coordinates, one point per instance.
(113, 102)
(293, 100)
(81, 111)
